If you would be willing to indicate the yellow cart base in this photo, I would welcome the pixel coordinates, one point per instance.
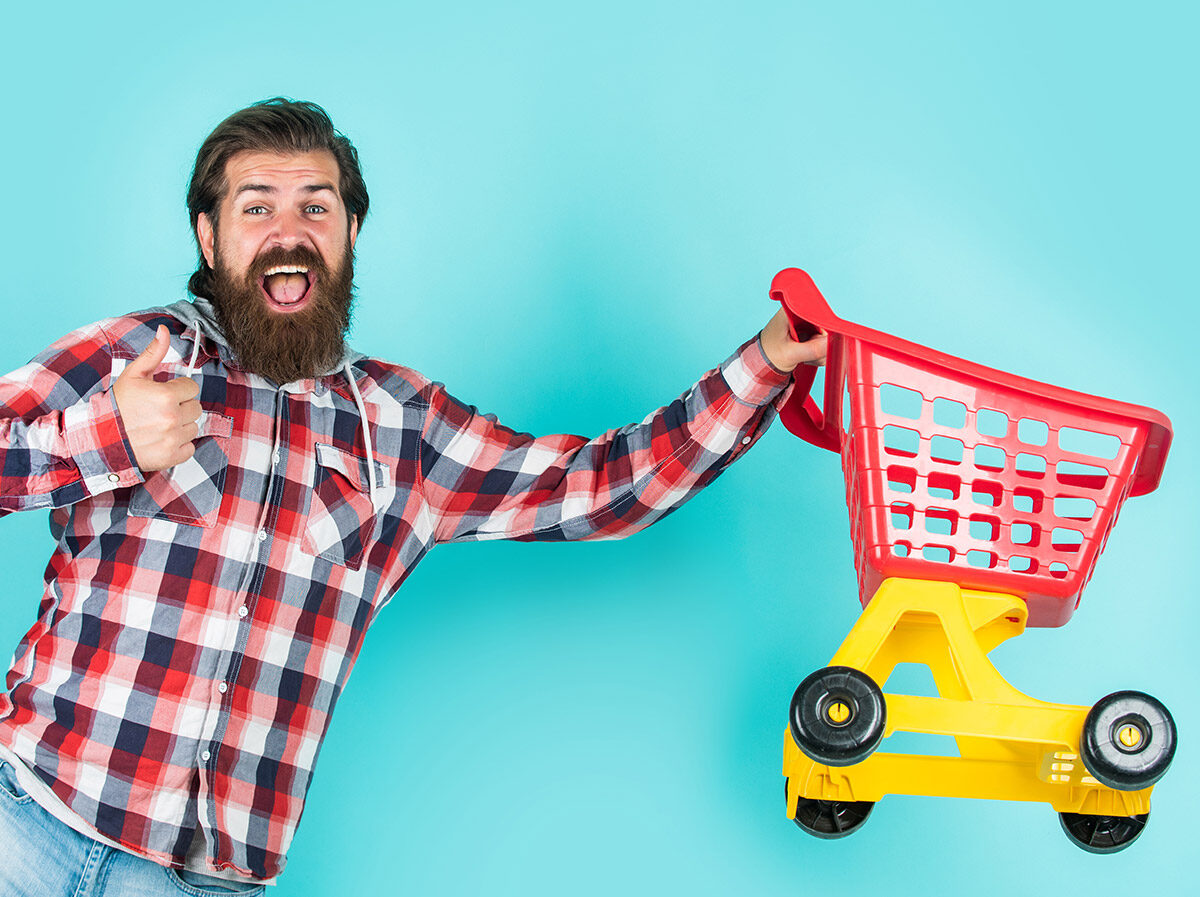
(1011, 746)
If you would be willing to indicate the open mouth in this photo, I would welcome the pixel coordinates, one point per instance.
(287, 288)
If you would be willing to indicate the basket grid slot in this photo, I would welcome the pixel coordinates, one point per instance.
(1033, 432)
(944, 486)
(938, 554)
(989, 422)
(898, 401)
(941, 521)
(949, 413)
(1030, 465)
(1070, 507)
(1064, 539)
(1027, 500)
(901, 441)
(1082, 476)
(1075, 441)
(902, 515)
(983, 528)
(901, 479)
(1018, 563)
(1025, 534)
(946, 448)
(987, 493)
(979, 558)
(989, 457)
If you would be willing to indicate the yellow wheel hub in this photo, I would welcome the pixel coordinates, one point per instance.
(1130, 736)
(838, 712)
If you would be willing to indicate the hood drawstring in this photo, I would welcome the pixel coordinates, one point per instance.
(191, 368)
(366, 428)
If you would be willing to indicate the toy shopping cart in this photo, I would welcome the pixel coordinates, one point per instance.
(979, 502)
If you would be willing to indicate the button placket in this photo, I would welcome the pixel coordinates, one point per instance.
(239, 632)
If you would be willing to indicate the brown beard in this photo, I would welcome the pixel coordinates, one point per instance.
(285, 347)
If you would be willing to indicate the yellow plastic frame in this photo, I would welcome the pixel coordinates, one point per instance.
(1011, 746)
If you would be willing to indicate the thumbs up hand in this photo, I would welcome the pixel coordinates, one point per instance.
(159, 418)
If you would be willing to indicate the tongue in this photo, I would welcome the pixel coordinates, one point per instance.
(286, 288)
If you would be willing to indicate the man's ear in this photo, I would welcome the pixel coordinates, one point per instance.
(353, 230)
(205, 234)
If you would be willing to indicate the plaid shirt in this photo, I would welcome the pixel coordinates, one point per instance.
(198, 624)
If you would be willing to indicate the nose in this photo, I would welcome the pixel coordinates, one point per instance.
(289, 231)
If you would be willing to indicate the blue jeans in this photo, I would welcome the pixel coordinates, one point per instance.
(41, 857)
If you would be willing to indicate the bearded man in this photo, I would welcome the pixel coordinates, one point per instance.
(235, 495)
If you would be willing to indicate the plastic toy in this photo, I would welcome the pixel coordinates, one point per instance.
(979, 502)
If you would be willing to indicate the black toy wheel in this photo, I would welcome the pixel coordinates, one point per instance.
(1102, 834)
(1128, 740)
(837, 716)
(831, 818)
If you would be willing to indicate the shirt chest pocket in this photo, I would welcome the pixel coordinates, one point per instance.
(190, 492)
(341, 518)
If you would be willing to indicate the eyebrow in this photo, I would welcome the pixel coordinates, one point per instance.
(267, 188)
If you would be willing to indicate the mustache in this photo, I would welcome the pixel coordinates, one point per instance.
(280, 255)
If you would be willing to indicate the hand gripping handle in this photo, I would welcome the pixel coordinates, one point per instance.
(809, 314)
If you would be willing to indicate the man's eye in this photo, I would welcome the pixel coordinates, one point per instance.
(255, 210)
(314, 209)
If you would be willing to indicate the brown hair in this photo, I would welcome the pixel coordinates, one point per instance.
(277, 125)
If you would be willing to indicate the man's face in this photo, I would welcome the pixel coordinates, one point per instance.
(282, 253)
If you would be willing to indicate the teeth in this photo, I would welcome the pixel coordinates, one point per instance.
(287, 269)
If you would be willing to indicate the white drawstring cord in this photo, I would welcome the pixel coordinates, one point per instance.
(191, 368)
(366, 428)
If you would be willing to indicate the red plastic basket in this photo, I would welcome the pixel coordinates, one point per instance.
(959, 472)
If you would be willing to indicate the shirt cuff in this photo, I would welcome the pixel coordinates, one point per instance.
(751, 377)
(96, 439)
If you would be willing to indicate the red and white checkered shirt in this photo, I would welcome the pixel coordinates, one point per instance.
(198, 624)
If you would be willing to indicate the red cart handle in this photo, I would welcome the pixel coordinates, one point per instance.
(809, 314)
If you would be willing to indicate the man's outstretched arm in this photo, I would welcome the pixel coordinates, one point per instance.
(485, 481)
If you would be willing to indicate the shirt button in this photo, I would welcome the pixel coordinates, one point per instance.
(243, 610)
(222, 687)
(114, 478)
(206, 756)
(746, 440)
(277, 457)
(262, 535)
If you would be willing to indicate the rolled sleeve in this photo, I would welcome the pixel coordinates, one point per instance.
(751, 377)
(98, 444)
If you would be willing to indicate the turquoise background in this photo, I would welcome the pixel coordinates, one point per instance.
(577, 209)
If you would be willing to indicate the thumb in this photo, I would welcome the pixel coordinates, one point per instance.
(144, 366)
